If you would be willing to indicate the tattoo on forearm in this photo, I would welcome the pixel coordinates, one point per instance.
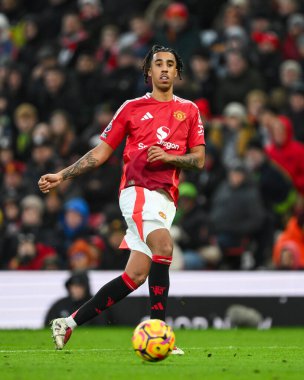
(186, 162)
(83, 165)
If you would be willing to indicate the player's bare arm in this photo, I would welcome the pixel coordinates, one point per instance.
(195, 159)
(92, 159)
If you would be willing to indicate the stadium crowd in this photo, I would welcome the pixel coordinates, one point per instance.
(67, 65)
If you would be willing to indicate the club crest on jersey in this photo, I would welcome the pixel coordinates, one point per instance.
(179, 115)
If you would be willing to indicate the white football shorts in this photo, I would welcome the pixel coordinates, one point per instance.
(144, 211)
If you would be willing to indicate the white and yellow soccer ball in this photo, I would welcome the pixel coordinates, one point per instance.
(153, 340)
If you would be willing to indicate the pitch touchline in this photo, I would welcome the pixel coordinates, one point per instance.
(129, 349)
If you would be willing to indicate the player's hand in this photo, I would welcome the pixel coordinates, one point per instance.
(156, 153)
(49, 181)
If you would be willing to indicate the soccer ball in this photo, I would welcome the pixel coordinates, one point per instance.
(153, 340)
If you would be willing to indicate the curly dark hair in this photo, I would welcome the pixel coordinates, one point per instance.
(155, 49)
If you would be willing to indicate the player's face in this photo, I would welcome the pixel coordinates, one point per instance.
(163, 70)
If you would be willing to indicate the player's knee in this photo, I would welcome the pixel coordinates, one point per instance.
(165, 249)
(139, 277)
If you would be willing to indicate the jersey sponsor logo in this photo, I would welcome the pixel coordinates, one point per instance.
(179, 115)
(162, 133)
(142, 146)
(147, 116)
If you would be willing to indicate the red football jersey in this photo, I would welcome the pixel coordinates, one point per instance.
(174, 125)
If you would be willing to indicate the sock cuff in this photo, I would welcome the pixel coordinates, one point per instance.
(162, 259)
(129, 282)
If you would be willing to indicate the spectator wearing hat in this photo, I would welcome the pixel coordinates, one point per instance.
(78, 288)
(81, 256)
(232, 134)
(236, 215)
(179, 32)
(290, 74)
(286, 152)
(269, 57)
(288, 251)
(295, 28)
(238, 81)
(25, 118)
(74, 223)
(295, 110)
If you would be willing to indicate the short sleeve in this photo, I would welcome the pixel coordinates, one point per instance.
(117, 129)
(196, 131)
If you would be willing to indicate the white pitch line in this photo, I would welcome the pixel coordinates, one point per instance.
(207, 348)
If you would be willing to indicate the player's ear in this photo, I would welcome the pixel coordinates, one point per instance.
(149, 72)
(176, 72)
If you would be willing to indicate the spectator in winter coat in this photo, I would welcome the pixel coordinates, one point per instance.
(239, 80)
(237, 213)
(295, 110)
(286, 152)
(288, 252)
(276, 188)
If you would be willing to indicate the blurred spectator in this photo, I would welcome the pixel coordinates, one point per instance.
(74, 223)
(62, 133)
(13, 179)
(238, 81)
(122, 82)
(15, 88)
(276, 188)
(237, 214)
(73, 37)
(27, 55)
(295, 110)
(42, 161)
(81, 256)
(92, 17)
(295, 28)
(194, 237)
(25, 118)
(78, 289)
(7, 49)
(256, 100)
(140, 38)
(288, 252)
(107, 50)
(202, 74)
(269, 57)
(57, 92)
(5, 119)
(179, 32)
(31, 255)
(89, 81)
(232, 135)
(290, 74)
(287, 152)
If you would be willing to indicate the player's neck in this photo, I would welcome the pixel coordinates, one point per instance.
(162, 96)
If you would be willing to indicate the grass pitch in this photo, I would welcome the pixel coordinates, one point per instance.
(106, 353)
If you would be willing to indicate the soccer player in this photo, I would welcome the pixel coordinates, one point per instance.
(164, 134)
